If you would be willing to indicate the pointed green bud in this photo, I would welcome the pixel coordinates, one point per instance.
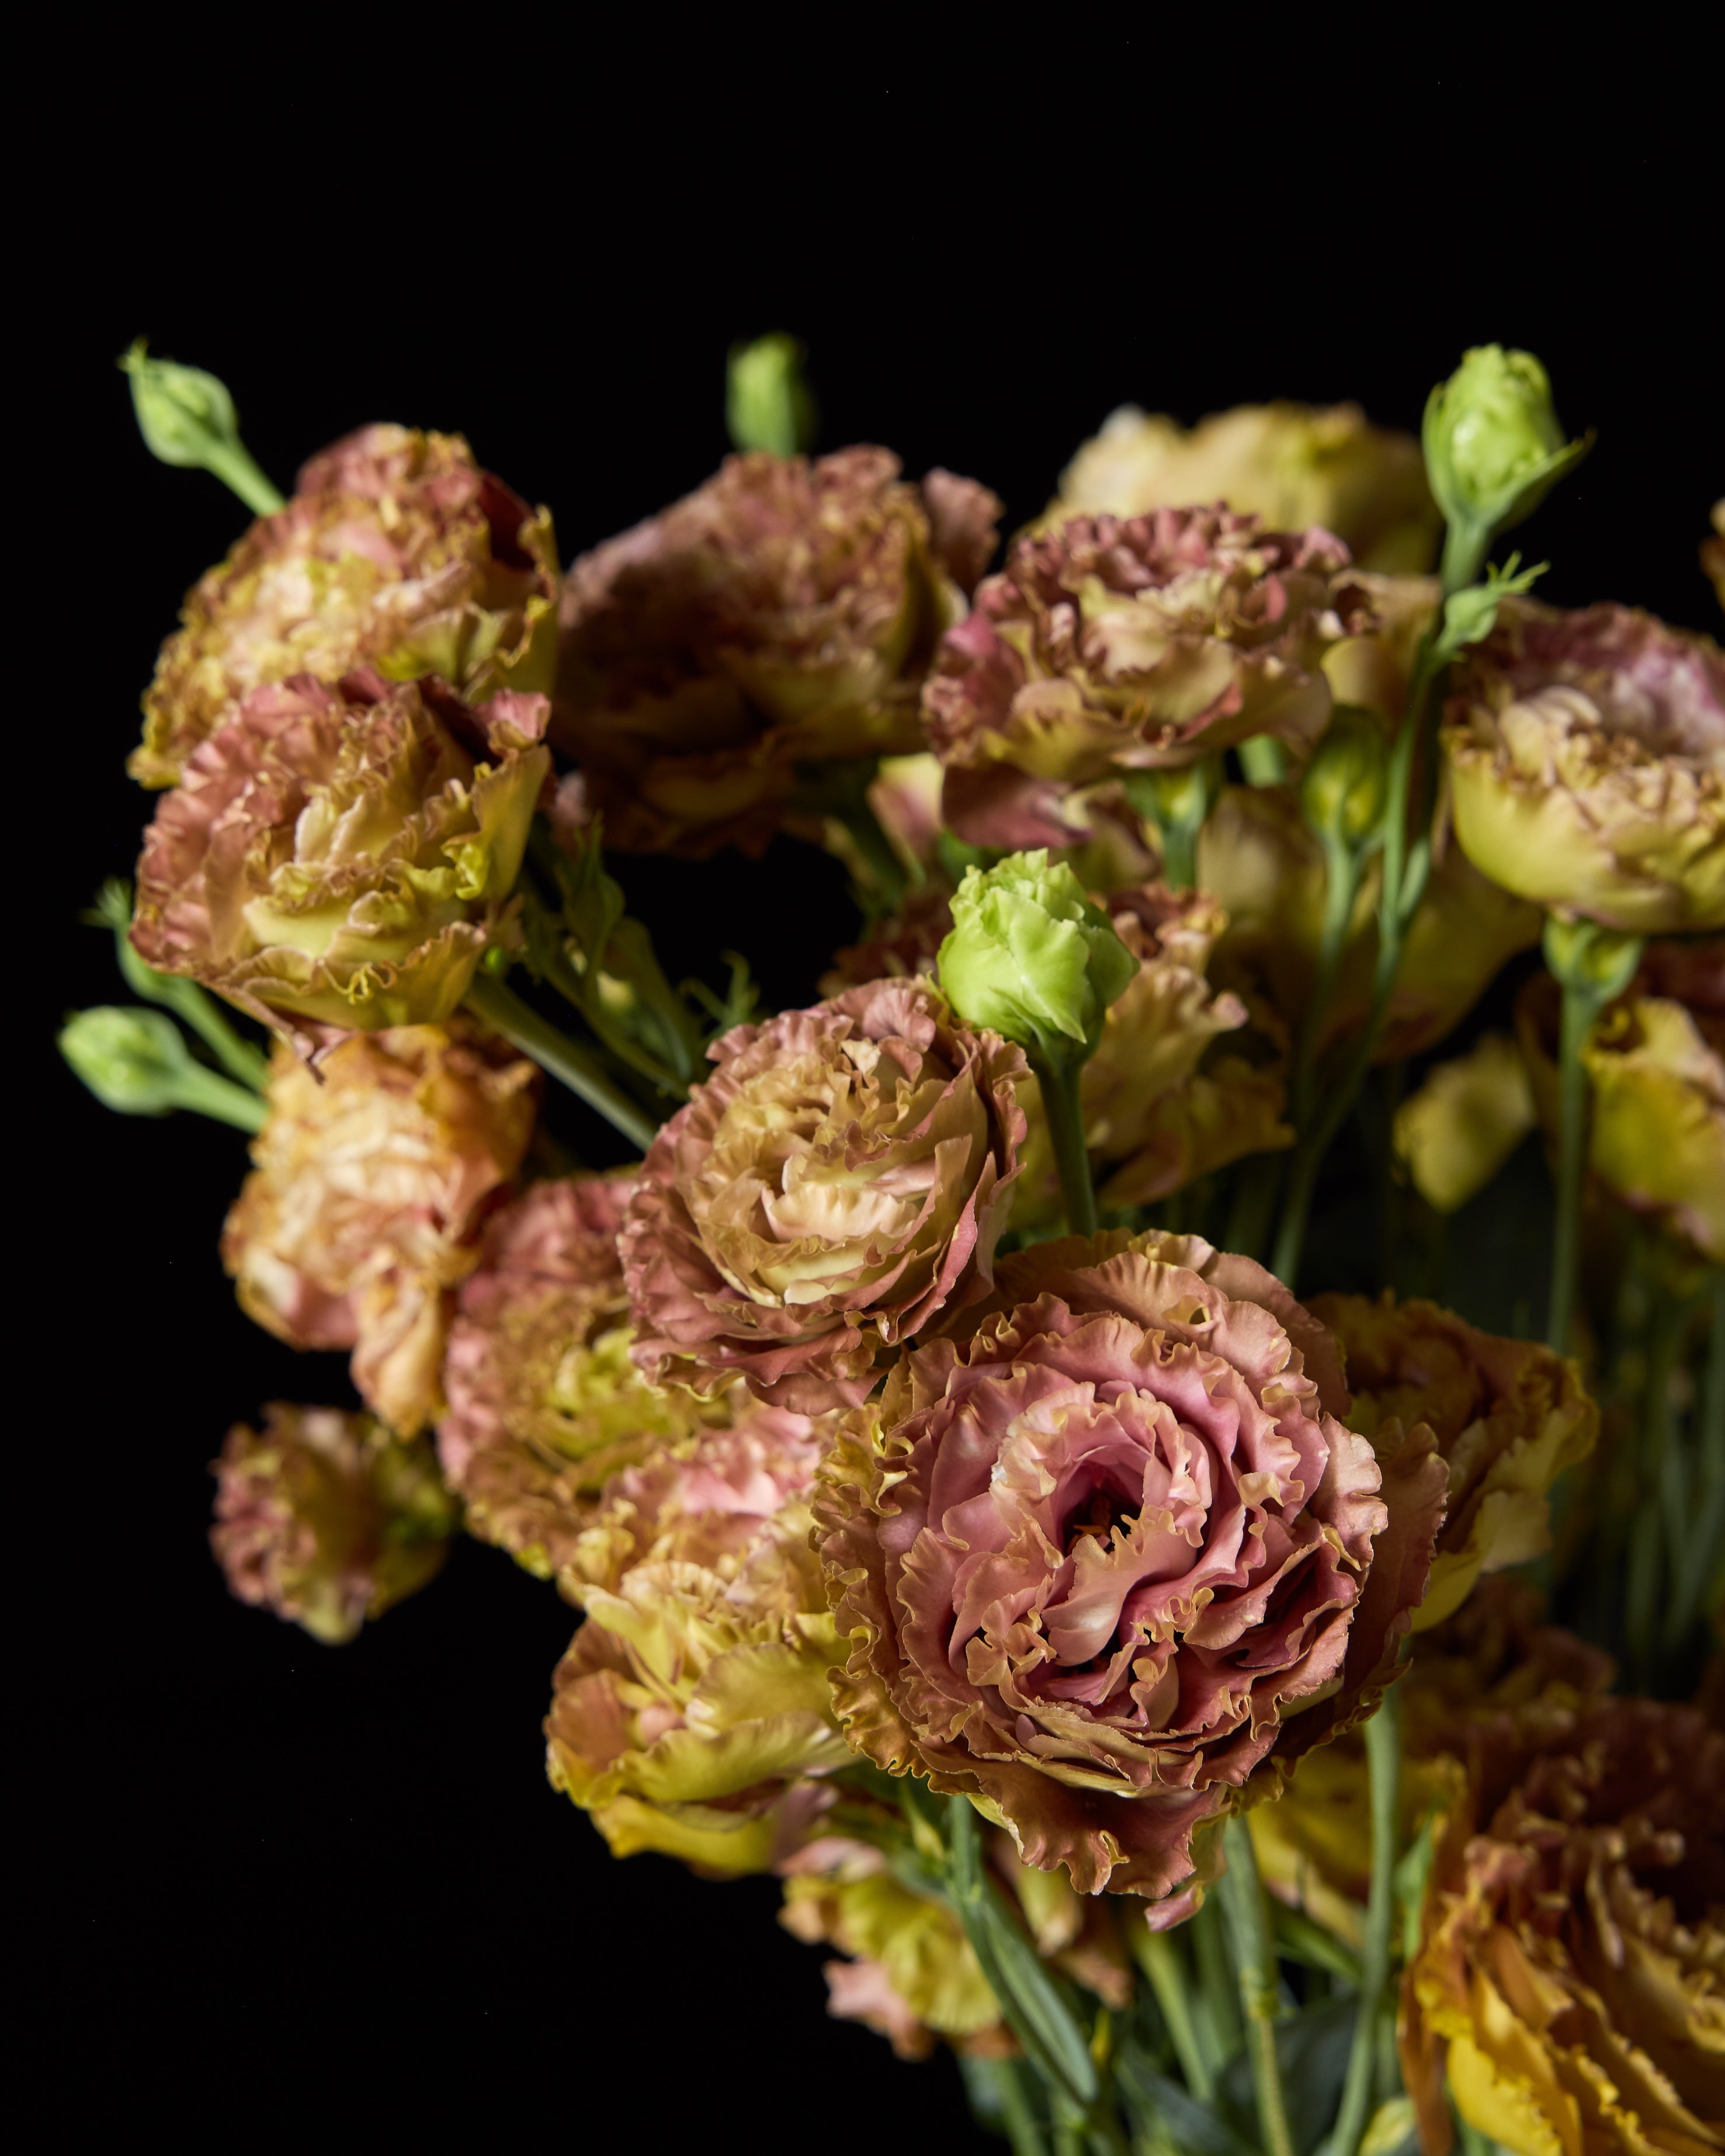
(767, 402)
(136, 1062)
(1031, 957)
(187, 418)
(1494, 447)
(1343, 790)
(1597, 963)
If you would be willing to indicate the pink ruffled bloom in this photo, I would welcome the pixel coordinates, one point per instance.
(1144, 643)
(784, 614)
(843, 1177)
(1113, 1553)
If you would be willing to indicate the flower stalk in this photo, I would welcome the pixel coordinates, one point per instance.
(1384, 1759)
(1254, 1949)
(505, 1012)
(1059, 1078)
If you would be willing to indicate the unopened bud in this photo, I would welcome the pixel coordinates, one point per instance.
(1031, 957)
(187, 418)
(136, 1062)
(1600, 962)
(1494, 447)
(767, 402)
(1343, 790)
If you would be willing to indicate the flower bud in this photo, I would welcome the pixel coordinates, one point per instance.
(1342, 790)
(136, 1062)
(187, 418)
(768, 404)
(1030, 957)
(1599, 962)
(1494, 448)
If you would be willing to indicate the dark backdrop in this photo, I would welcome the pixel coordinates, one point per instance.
(283, 1889)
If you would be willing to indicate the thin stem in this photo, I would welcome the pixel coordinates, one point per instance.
(1580, 1008)
(1017, 2113)
(238, 470)
(1384, 1760)
(1179, 857)
(207, 1093)
(1059, 1076)
(1698, 1553)
(1158, 1954)
(1342, 865)
(519, 1022)
(1242, 1897)
(1218, 1993)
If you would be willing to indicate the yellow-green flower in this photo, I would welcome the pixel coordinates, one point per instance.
(1465, 1121)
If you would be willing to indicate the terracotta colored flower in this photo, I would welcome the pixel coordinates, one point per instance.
(545, 1403)
(1293, 464)
(338, 857)
(1586, 755)
(1111, 1554)
(1159, 1106)
(1109, 645)
(326, 1518)
(842, 1178)
(693, 1707)
(1567, 1991)
(1262, 864)
(1495, 1655)
(372, 1180)
(396, 552)
(782, 614)
(1508, 1417)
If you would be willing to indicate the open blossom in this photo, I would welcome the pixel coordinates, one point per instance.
(327, 1519)
(1260, 861)
(784, 614)
(1656, 1065)
(842, 1178)
(693, 1708)
(1586, 756)
(338, 856)
(1566, 1990)
(395, 552)
(1508, 1417)
(1468, 1117)
(373, 1180)
(1110, 644)
(1109, 1553)
(545, 1403)
(1159, 1108)
(1291, 464)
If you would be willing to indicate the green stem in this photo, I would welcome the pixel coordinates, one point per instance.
(1383, 1760)
(1158, 1954)
(1698, 1554)
(519, 1022)
(1264, 760)
(1058, 1077)
(1580, 1008)
(1179, 857)
(1242, 1897)
(207, 1093)
(1343, 865)
(237, 469)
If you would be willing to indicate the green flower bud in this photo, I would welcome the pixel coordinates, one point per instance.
(1030, 957)
(1494, 447)
(768, 404)
(187, 418)
(136, 1062)
(1599, 962)
(1343, 790)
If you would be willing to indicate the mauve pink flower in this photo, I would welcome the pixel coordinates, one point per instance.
(1144, 643)
(1092, 1553)
(843, 1178)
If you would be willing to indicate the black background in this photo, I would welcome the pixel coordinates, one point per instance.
(283, 1889)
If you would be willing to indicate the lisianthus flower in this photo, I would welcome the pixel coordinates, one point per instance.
(1586, 756)
(784, 614)
(1465, 1121)
(372, 1180)
(338, 856)
(1110, 644)
(395, 552)
(1565, 1993)
(1108, 1552)
(1508, 1417)
(545, 1403)
(1313, 1843)
(1656, 1065)
(1259, 859)
(327, 1519)
(693, 1709)
(843, 1177)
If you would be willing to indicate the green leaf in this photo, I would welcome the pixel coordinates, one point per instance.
(1312, 2051)
(1190, 2126)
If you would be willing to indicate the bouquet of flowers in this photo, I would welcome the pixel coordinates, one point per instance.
(1051, 1444)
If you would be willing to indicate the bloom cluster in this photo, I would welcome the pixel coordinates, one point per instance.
(1045, 1445)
